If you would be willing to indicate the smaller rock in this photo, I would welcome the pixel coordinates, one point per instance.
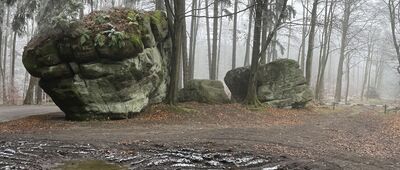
(204, 91)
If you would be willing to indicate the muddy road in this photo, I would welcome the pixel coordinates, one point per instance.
(196, 136)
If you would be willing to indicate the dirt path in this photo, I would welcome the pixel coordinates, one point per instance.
(348, 138)
(8, 113)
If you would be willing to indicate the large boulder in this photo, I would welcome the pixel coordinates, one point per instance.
(279, 84)
(204, 91)
(110, 65)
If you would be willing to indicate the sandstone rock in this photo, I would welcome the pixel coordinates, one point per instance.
(279, 84)
(204, 91)
(102, 69)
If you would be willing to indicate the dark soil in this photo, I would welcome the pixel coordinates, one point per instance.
(211, 137)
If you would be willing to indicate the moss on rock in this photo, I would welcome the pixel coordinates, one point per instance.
(106, 66)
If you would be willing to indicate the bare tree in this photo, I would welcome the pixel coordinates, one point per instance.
(343, 46)
(175, 24)
(311, 42)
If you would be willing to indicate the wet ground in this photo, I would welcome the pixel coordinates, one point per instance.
(143, 155)
(195, 136)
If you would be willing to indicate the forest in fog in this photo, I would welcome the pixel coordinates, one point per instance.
(346, 48)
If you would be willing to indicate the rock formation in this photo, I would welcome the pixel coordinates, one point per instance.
(204, 91)
(279, 84)
(110, 65)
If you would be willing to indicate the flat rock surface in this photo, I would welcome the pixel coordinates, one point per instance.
(8, 113)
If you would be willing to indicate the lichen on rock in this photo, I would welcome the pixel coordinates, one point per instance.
(109, 65)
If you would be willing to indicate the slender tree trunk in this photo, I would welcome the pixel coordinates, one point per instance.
(289, 38)
(303, 37)
(325, 47)
(365, 74)
(192, 45)
(219, 43)
(234, 36)
(215, 43)
(347, 79)
(30, 93)
(343, 46)
(264, 30)
(175, 29)
(185, 63)
(5, 97)
(311, 42)
(369, 72)
(248, 40)
(12, 76)
(251, 97)
(39, 95)
(208, 41)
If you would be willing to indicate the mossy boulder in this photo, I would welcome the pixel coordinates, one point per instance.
(110, 65)
(204, 91)
(279, 84)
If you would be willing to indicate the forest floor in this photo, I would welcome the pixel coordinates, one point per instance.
(212, 137)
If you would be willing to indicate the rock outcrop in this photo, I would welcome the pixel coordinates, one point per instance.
(110, 65)
(204, 91)
(279, 84)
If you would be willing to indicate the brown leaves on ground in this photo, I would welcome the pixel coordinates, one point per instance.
(35, 123)
(230, 115)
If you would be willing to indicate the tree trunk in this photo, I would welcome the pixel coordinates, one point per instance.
(209, 54)
(251, 97)
(5, 97)
(328, 26)
(215, 43)
(39, 94)
(311, 42)
(234, 36)
(29, 97)
(248, 41)
(192, 40)
(303, 37)
(347, 79)
(12, 76)
(289, 38)
(185, 63)
(367, 63)
(175, 28)
(343, 46)
(264, 31)
(219, 43)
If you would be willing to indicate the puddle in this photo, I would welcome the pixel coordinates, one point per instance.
(89, 165)
(45, 155)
